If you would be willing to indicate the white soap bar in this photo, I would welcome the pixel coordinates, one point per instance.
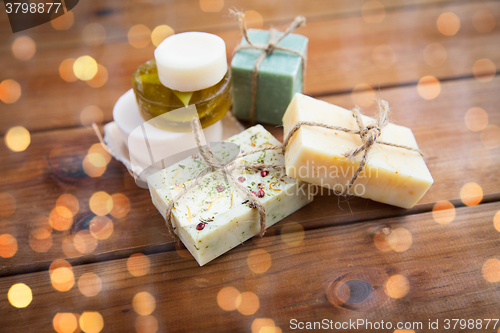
(191, 61)
(392, 175)
(230, 219)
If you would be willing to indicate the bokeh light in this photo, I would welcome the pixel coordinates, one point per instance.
(490, 137)
(17, 138)
(400, 239)
(93, 34)
(484, 70)
(491, 270)
(496, 221)
(146, 324)
(483, 21)
(443, 212)
(91, 322)
(7, 204)
(435, 54)
(248, 303)
(381, 239)
(8, 246)
(100, 78)
(264, 325)
(363, 95)
(91, 114)
(20, 295)
(101, 227)
(89, 284)
(94, 165)
(121, 205)
(84, 242)
(429, 87)
(101, 203)
(476, 119)
(85, 67)
(61, 275)
(292, 234)
(397, 286)
(144, 303)
(23, 48)
(68, 247)
(228, 298)
(10, 91)
(40, 240)
(448, 24)
(211, 6)
(383, 56)
(139, 36)
(97, 148)
(66, 70)
(138, 264)
(471, 194)
(259, 261)
(70, 202)
(160, 33)
(253, 19)
(65, 322)
(63, 22)
(61, 218)
(373, 12)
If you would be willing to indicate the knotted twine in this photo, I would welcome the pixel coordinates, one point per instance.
(369, 136)
(268, 49)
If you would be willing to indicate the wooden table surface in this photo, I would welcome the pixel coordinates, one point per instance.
(65, 269)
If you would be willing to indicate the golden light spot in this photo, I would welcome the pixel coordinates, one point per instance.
(20, 295)
(143, 303)
(70, 202)
(248, 303)
(227, 298)
(24, 48)
(400, 239)
(62, 278)
(84, 242)
(8, 246)
(39, 244)
(121, 205)
(471, 194)
(373, 12)
(61, 218)
(496, 221)
(101, 227)
(383, 56)
(17, 138)
(490, 137)
(7, 204)
(10, 91)
(41, 227)
(448, 24)
(397, 286)
(484, 70)
(146, 324)
(139, 36)
(63, 22)
(435, 54)
(292, 234)
(97, 160)
(261, 325)
(91, 322)
(476, 119)
(97, 148)
(91, 114)
(85, 67)
(89, 284)
(259, 261)
(65, 322)
(211, 6)
(93, 34)
(160, 33)
(68, 247)
(66, 70)
(491, 270)
(483, 21)
(363, 95)
(381, 239)
(100, 78)
(138, 264)
(101, 203)
(443, 212)
(429, 87)
(254, 19)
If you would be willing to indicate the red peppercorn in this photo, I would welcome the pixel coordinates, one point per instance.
(254, 193)
(241, 179)
(200, 226)
(261, 194)
(260, 185)
(195, 156)
(282, 179)
(220, 188)
(264, 173)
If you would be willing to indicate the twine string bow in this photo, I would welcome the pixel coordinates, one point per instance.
(268, 48)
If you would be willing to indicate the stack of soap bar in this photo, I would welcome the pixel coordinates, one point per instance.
(214, 216)
(392, 175)
(279, 77)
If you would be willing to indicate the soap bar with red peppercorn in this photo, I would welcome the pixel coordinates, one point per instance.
(214, 216)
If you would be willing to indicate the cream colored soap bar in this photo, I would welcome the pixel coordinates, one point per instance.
(220, 210)
(392, 175)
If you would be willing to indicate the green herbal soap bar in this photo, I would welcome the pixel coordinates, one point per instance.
(279, 77)
(214, 216)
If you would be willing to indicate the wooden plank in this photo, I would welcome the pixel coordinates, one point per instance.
(340, 58)
(52, 166)
(336, 273)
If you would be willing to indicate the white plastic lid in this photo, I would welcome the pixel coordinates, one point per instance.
(191, 61)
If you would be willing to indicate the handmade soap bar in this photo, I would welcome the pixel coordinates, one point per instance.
(214, 216)
(279, 77)
(393, 175)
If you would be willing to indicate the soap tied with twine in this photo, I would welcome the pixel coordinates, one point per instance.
(269, 48)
